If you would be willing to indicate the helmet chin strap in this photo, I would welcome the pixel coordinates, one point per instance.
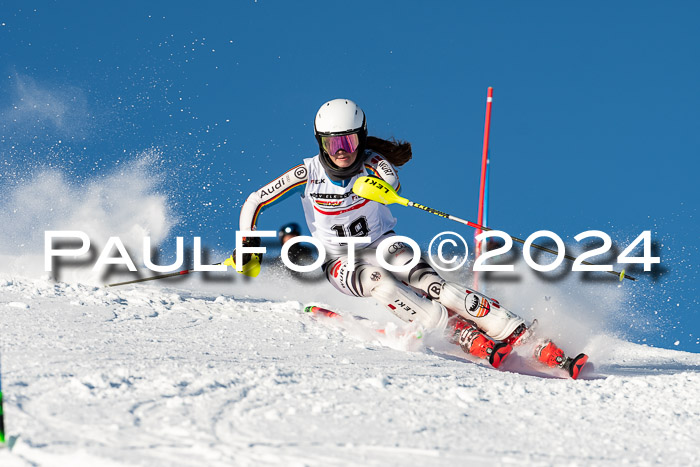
(338, 174)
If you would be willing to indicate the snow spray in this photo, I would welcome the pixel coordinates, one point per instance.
(124, 202)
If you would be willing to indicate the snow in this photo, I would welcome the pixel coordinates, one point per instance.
(218, 369)
(191, 372)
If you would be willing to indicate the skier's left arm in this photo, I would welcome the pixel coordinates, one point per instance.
(378, 166)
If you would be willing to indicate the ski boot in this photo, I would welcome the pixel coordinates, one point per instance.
(553, 356)
(521, 334)
(474, 342)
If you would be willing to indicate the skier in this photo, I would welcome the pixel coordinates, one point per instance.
(479, 324)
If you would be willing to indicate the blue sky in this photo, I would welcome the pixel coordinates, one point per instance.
(595, 115)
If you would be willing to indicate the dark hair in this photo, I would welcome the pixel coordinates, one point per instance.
(396, 152)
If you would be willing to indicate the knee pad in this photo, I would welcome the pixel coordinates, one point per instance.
(408, 306)
(497, 322)
(421, 277)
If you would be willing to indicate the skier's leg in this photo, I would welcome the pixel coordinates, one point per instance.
(473, 307)
(372, 281)
(496, 321)
(421, 277)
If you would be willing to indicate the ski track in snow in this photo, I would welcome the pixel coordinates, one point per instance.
(143, 375)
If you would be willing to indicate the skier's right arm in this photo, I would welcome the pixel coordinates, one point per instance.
(289, 182)
(283, 186)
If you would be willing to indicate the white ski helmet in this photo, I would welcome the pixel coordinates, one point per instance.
(341, 124)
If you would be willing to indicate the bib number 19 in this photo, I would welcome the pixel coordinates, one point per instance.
(356, 228)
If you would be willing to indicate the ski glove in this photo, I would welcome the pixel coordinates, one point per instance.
(249, 242)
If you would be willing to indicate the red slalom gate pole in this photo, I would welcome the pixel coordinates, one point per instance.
(482, 185)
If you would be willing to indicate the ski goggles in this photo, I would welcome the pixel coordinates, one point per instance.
(333, 144)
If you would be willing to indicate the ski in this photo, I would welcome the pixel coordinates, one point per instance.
(462, 333)
(575, 365)
(317, 310)
(475, 343)
(499, 353)
(552, 356)
(324, 312)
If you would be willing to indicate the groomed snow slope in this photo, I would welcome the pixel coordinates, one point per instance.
(143, 375)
